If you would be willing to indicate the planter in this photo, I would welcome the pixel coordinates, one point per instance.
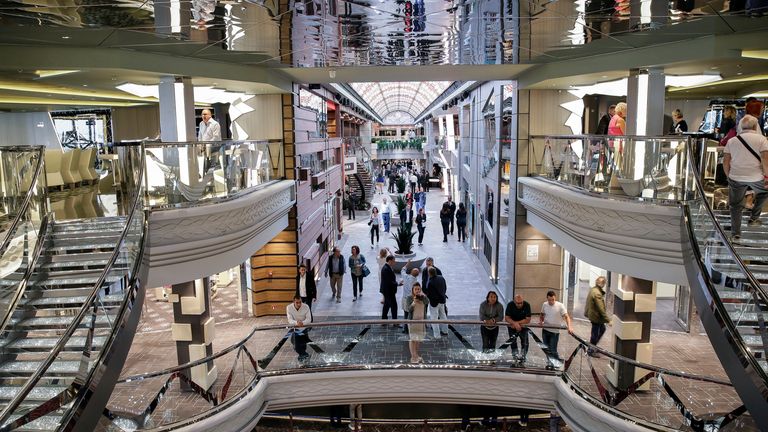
(417, 260)
(631, 187)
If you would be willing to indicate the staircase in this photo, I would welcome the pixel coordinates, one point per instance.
(361, 184)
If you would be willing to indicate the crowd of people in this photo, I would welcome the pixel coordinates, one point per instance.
(424, 296)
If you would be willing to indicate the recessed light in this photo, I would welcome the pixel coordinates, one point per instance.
(65, 37)
(739, 73)
(85, 85)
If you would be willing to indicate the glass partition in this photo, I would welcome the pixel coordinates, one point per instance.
(651, 168)
(151, 400)
(192, 172)
(414, 143)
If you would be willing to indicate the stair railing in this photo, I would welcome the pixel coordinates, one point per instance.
(750, 379)
(27, 230)
(82, 390)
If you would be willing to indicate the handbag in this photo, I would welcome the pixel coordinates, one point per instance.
(365, 270)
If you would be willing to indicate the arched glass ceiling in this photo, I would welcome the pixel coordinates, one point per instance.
(408, 97)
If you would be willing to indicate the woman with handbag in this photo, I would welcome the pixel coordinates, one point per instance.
(357, 271)
(421, 220)
(374, 224)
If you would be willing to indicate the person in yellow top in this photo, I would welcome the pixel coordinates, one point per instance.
(595, 312)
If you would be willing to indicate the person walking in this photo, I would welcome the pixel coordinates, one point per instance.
(351, 202)
(336, 270)
(421, 221)
(412, 179)
(305, 286)
(356, 264)
(380, 182)
(452, 210)
(594, 309)
(436, 292)
(679, 125)
(491, 312)
(553, 313)
(429, 262)
(416, 306)
(406, 217)
(745, 163)
(374, 224)
(445, 220)
(461, 222)
(392, 180)
(386, 213)
(518, 315)
(388, 288)
(605, 120)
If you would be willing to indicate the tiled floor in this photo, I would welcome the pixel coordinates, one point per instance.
(387, 346)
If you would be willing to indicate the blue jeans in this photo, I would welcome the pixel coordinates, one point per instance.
(523, 336)
(385, 218)
(736, 192)
(550, 339)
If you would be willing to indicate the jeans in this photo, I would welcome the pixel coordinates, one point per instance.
(421, 229)
(385, 219)
(337, 279)
(489, 336)
(736, 192)
(597, 332)
(438, 313)
(351, 211)
(299, 339)
(550, 339)
(523, 336)
(452, 220)
(462, 232)
(390, 304)
(375, 229)
(357, 281)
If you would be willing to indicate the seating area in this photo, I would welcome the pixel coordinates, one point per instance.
(70, 168)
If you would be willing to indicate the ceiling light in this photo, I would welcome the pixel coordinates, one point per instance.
(65, 37)
(51, 73)
(758, 54)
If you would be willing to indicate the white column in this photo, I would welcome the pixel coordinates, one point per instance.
(177, 109)
(645, 102)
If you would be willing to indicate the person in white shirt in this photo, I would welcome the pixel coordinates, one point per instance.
(299, 315)
(413, 179)
(209, 129)
(746, 165)
(408, 277)
(553, 313)
(385, 213)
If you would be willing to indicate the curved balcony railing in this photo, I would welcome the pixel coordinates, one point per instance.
(393, 145)
(661, 399)
(638, 167)
(107, 329)
(189, 173)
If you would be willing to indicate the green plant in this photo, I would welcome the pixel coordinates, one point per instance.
(404, 239)
(400, 183)
(400, 204)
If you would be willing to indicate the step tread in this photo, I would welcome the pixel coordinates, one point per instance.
(50, 342)
(33, 322)
(47, 301)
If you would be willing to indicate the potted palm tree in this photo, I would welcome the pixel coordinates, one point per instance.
(403, 238)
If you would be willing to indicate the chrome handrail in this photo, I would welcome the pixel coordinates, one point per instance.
(9, 409)
(733, 333)
(34, 256)
(27, 197)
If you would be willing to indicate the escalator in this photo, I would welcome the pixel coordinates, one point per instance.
(729, 283)
(70, 301)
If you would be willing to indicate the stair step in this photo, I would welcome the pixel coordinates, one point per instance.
(44, 344)
(74, 281)
(56, 322)
(85, 247)
(43, 302)
(39, 393)
(50, 422)
(58, 368)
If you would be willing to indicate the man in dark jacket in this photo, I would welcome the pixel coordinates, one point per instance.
(336, 269)
(605, 121)
(452, 208)
(305, 286)
(429, 262)
(436, 293)
(388, 288)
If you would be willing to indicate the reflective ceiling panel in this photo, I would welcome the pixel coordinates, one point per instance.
(400, 99)
(331, 33)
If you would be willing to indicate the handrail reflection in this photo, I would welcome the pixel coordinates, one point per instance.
(28, 196)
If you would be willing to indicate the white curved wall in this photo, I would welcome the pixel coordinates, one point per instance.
(639, 239)
(194, 242)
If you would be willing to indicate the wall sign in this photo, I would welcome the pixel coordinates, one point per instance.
(532, 252)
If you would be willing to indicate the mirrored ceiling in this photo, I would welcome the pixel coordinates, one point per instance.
(400, 102)
(330, 33)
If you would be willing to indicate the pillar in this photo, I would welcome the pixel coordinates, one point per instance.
(193, 329)
(633, 304)
(645, 102)
(172, 17)
(177, 109)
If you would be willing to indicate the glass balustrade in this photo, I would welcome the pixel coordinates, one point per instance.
(23, 220)
(415, 143)
(661, 399)
(193, 172)
(647, 168)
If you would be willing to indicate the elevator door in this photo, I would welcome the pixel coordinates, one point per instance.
(683, 306)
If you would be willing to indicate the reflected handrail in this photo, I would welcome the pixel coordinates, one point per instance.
(75, 390)
(28, 197)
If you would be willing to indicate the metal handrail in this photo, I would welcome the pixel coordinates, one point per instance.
(27, 197)
(734, 334)
(27, 274)
(9, 409)
(258, 328)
